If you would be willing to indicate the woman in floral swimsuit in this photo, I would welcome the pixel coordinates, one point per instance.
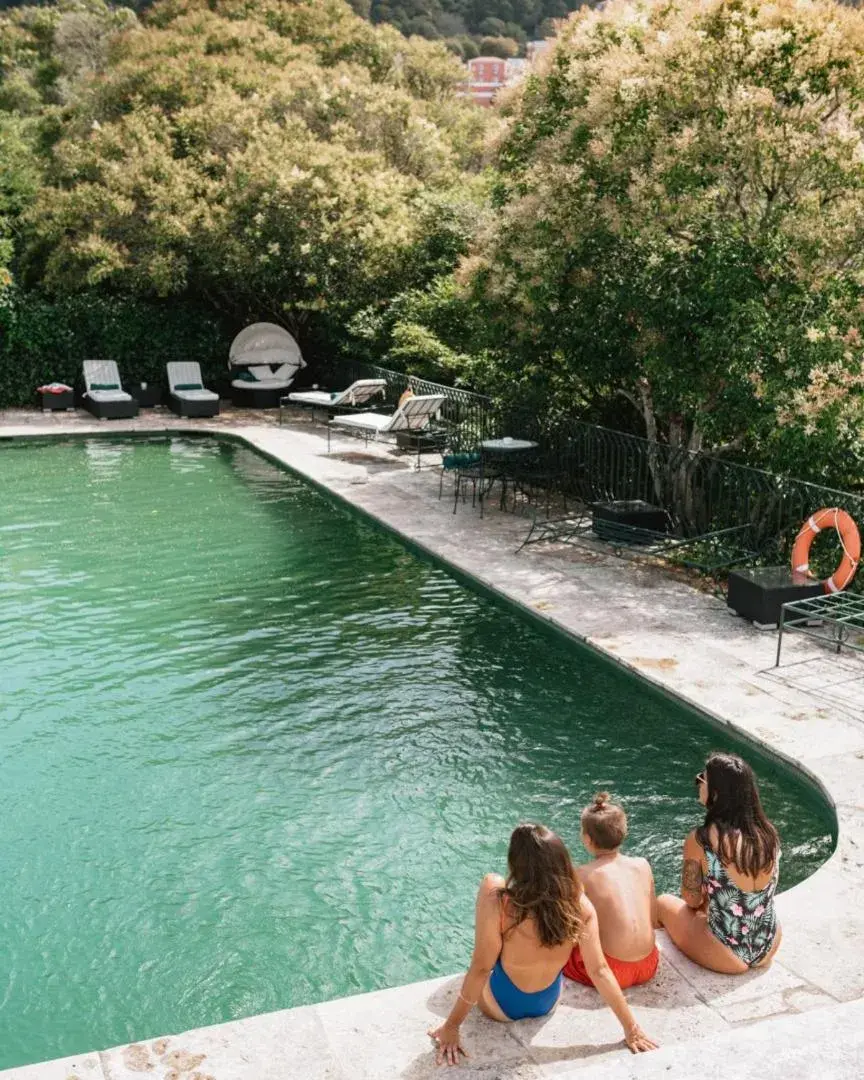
(725, 918)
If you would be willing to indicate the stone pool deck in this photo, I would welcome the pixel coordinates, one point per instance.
(810, 712)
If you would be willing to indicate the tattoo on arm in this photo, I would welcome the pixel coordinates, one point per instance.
(691, 876)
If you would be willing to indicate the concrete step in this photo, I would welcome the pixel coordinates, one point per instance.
(823, 1045)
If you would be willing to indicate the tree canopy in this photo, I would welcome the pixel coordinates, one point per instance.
(680, 225)
(278, 159)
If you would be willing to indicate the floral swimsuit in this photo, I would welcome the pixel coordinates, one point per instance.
(744, 921)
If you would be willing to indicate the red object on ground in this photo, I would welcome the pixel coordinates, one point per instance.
(627, 972)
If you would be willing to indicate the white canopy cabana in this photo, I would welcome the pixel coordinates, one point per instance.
(269, 354)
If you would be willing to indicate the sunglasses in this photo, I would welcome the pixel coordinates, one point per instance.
(700, 779)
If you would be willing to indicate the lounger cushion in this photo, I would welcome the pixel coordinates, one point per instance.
(188, 386)
(200, 394)
(312, 397)
(109, 395)
(104, 386)
(364, 420)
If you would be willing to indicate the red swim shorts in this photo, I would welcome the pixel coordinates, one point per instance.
(627, 972)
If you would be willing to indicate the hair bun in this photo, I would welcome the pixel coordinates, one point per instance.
(601, 799)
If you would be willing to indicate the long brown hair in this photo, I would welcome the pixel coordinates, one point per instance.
(745, 836)
(542, 885)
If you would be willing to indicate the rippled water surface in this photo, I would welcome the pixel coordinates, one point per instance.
(255, 753)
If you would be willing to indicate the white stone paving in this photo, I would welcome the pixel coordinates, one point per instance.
(810, 712)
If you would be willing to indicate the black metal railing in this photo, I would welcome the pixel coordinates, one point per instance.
(701, 494)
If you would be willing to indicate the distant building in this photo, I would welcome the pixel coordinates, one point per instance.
(486, 75)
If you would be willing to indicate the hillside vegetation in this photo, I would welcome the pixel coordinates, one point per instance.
(472, 27)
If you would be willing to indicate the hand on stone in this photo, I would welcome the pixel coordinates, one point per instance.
(638, 1042)
(449, 1045)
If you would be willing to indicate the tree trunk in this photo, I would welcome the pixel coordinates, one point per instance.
(646, 398)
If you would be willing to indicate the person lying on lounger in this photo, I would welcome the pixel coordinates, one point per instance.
(725, 918)
(621, 888)
(525, 929)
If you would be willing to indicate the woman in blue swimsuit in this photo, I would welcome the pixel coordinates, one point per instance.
(525, 928)
(725, 918)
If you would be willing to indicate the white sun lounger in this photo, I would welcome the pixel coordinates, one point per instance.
(358, 393)
(413, 415)
(188, 395)
(105, 397)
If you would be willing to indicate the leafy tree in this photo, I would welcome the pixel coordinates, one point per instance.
(681, 224)
(503, 47)
(273, 158)
(44, 52)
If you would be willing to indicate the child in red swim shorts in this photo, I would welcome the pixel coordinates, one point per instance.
(621, 888)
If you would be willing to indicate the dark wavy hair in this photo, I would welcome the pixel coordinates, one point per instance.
(745, 836)
(542, 885)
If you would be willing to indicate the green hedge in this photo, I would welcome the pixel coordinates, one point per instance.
(45, 339)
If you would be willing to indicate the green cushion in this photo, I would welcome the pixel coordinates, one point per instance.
(188, 386)
(104, 386)
(246, 376)
(461, 461)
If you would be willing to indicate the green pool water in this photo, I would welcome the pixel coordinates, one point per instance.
(255, 753)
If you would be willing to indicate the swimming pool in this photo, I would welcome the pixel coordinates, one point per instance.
(256, 753)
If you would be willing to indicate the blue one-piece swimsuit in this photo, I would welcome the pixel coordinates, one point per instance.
(515, 1003)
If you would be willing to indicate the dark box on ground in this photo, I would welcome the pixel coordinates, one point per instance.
(631, 513)
(58, 402)
(759, 593)
(423, 442)
(147, 396)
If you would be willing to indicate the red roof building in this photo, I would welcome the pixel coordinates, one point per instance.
(486, 76)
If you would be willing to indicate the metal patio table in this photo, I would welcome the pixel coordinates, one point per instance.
(501, 450)
(835, 618)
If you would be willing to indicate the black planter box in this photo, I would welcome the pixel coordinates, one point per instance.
(607, 519)
(147, 396)
(58, 402)
(421, 442)
(760, 592)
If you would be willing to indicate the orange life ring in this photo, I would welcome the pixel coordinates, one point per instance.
(850, 541)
